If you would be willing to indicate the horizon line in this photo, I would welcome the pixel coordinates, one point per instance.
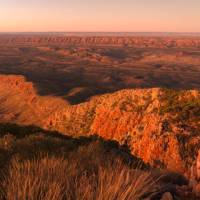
(99, 31)
(103, 33)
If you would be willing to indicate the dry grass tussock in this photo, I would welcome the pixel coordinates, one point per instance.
(59, 179)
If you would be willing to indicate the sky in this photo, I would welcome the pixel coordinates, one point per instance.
(100, 15)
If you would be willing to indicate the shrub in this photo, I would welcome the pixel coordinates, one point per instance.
(185, 108)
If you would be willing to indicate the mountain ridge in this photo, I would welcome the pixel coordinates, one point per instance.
(160, 126)
(132, 41)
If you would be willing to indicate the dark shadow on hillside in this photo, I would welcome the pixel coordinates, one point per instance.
(54, 143)
(90, 153)
(93, 71)
(75, 91)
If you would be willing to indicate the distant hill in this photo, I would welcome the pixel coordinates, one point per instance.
(166, 41)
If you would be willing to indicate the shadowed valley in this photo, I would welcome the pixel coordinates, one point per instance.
(77, 68)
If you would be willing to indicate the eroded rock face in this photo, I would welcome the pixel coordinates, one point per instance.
(167, 196)
(195, 176)
(20, 103)
(198, 165)
(160, 126)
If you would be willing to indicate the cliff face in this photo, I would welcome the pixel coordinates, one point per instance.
(159, 42)
(161, 126)
(20, 103)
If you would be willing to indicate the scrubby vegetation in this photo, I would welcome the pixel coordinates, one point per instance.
(57, 178)
(38, 164)
(184, 108)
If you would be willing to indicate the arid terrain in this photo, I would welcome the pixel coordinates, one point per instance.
(77, 68)
(129, 98)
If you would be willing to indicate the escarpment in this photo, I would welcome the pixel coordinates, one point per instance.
(133, 41)
(20, 103)
(161, 126)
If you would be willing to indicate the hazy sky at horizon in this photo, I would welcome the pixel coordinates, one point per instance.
(100, 15)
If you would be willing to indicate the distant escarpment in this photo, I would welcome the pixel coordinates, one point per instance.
(161, 126)
(132, 41)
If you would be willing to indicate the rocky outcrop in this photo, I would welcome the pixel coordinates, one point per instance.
(20, 103)
(160, 126)
(195, 176)
(134, 41)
